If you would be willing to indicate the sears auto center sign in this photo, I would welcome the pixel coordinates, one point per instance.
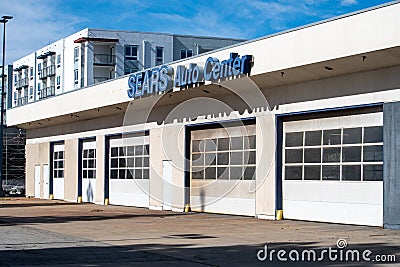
(164, 78)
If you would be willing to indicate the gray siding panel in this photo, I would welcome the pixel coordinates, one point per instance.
(391, 165)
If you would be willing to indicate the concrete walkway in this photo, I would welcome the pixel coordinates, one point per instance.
(57, 233)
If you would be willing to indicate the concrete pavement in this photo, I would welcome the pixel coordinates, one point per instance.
(57, 233)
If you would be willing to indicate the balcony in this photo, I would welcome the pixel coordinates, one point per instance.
(104, 60)
(47, 72)
(100, 79)
(22, 101)
(47, 92)
(21, 83)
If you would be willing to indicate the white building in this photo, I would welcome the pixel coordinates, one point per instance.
(8, 71)
(91, 56)
(304, 122)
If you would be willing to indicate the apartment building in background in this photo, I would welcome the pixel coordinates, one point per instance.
(92, 56)
(13, 141)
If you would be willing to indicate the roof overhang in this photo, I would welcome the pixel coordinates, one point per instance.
(21, 67)
(111, 97)
(44, 55)
(93, 39)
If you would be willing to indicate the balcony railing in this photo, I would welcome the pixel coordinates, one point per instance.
(100, 79)
(22, 101)
(104, 59)
(47, 92)
(46, 72)
(22, 83)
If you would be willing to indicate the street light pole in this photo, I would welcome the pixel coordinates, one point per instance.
(3, 20)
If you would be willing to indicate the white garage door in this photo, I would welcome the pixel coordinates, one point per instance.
(223, 167)
(58, 171)
(129, 171)
(333, 170)
(89, 171)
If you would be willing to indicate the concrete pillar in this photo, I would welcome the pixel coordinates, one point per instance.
(391, 165)
(36, 154)
(156, 158)
(32, 159)
(71, 170)
(42, 158)
(100, 171)
(265, 174)
(167, 143)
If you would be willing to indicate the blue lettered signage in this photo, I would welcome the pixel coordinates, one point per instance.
(162, 79)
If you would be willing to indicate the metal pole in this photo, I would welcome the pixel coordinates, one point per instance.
(4, 21)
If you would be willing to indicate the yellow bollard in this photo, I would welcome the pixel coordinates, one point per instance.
(79, 199)
(51, 196)
(106, 201)
(279, 215)
(187, 208)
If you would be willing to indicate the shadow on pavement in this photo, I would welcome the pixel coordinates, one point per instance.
(21, 220)
(34, 204)
(182, 254)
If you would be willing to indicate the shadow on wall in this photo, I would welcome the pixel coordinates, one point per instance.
(91, 253)
(202, 199)
(216, 101)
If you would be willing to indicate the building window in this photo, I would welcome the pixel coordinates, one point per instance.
(129, 162)
(39, 86)
(186, 53)
(39, 66)
(31, 91)
(159, 55)
(224, 158)
(58, 59)
(76, 54)
(58, 80)
(89, 163)
(131, 57)
(347, 154)
(31, 72)
(76, 77)
(58, 164)
(15, 96)
(131, 52)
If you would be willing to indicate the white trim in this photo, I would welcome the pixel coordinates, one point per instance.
(265, 217)
(178, 209)
(155, 208)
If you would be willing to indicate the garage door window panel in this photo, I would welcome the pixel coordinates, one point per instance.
(225, 158)
(331, 172)
(129, 162)
(313, 138)
(294, 173)
(89, 163)
(312, 155)
(351, 154)
(294, 139)
(312, 173)
(332, 137)
(351, 172)
(58, 164)
(348, 154)
(352, 135)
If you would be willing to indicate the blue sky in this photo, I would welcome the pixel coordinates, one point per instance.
(37, 23)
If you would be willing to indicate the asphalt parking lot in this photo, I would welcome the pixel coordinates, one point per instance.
(55, 233)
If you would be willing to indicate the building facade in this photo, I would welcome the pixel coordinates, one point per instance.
(303, 123)
(8, 71)
(92, 56)
(13, 141)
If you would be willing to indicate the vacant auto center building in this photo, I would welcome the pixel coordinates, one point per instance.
(304, 122)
